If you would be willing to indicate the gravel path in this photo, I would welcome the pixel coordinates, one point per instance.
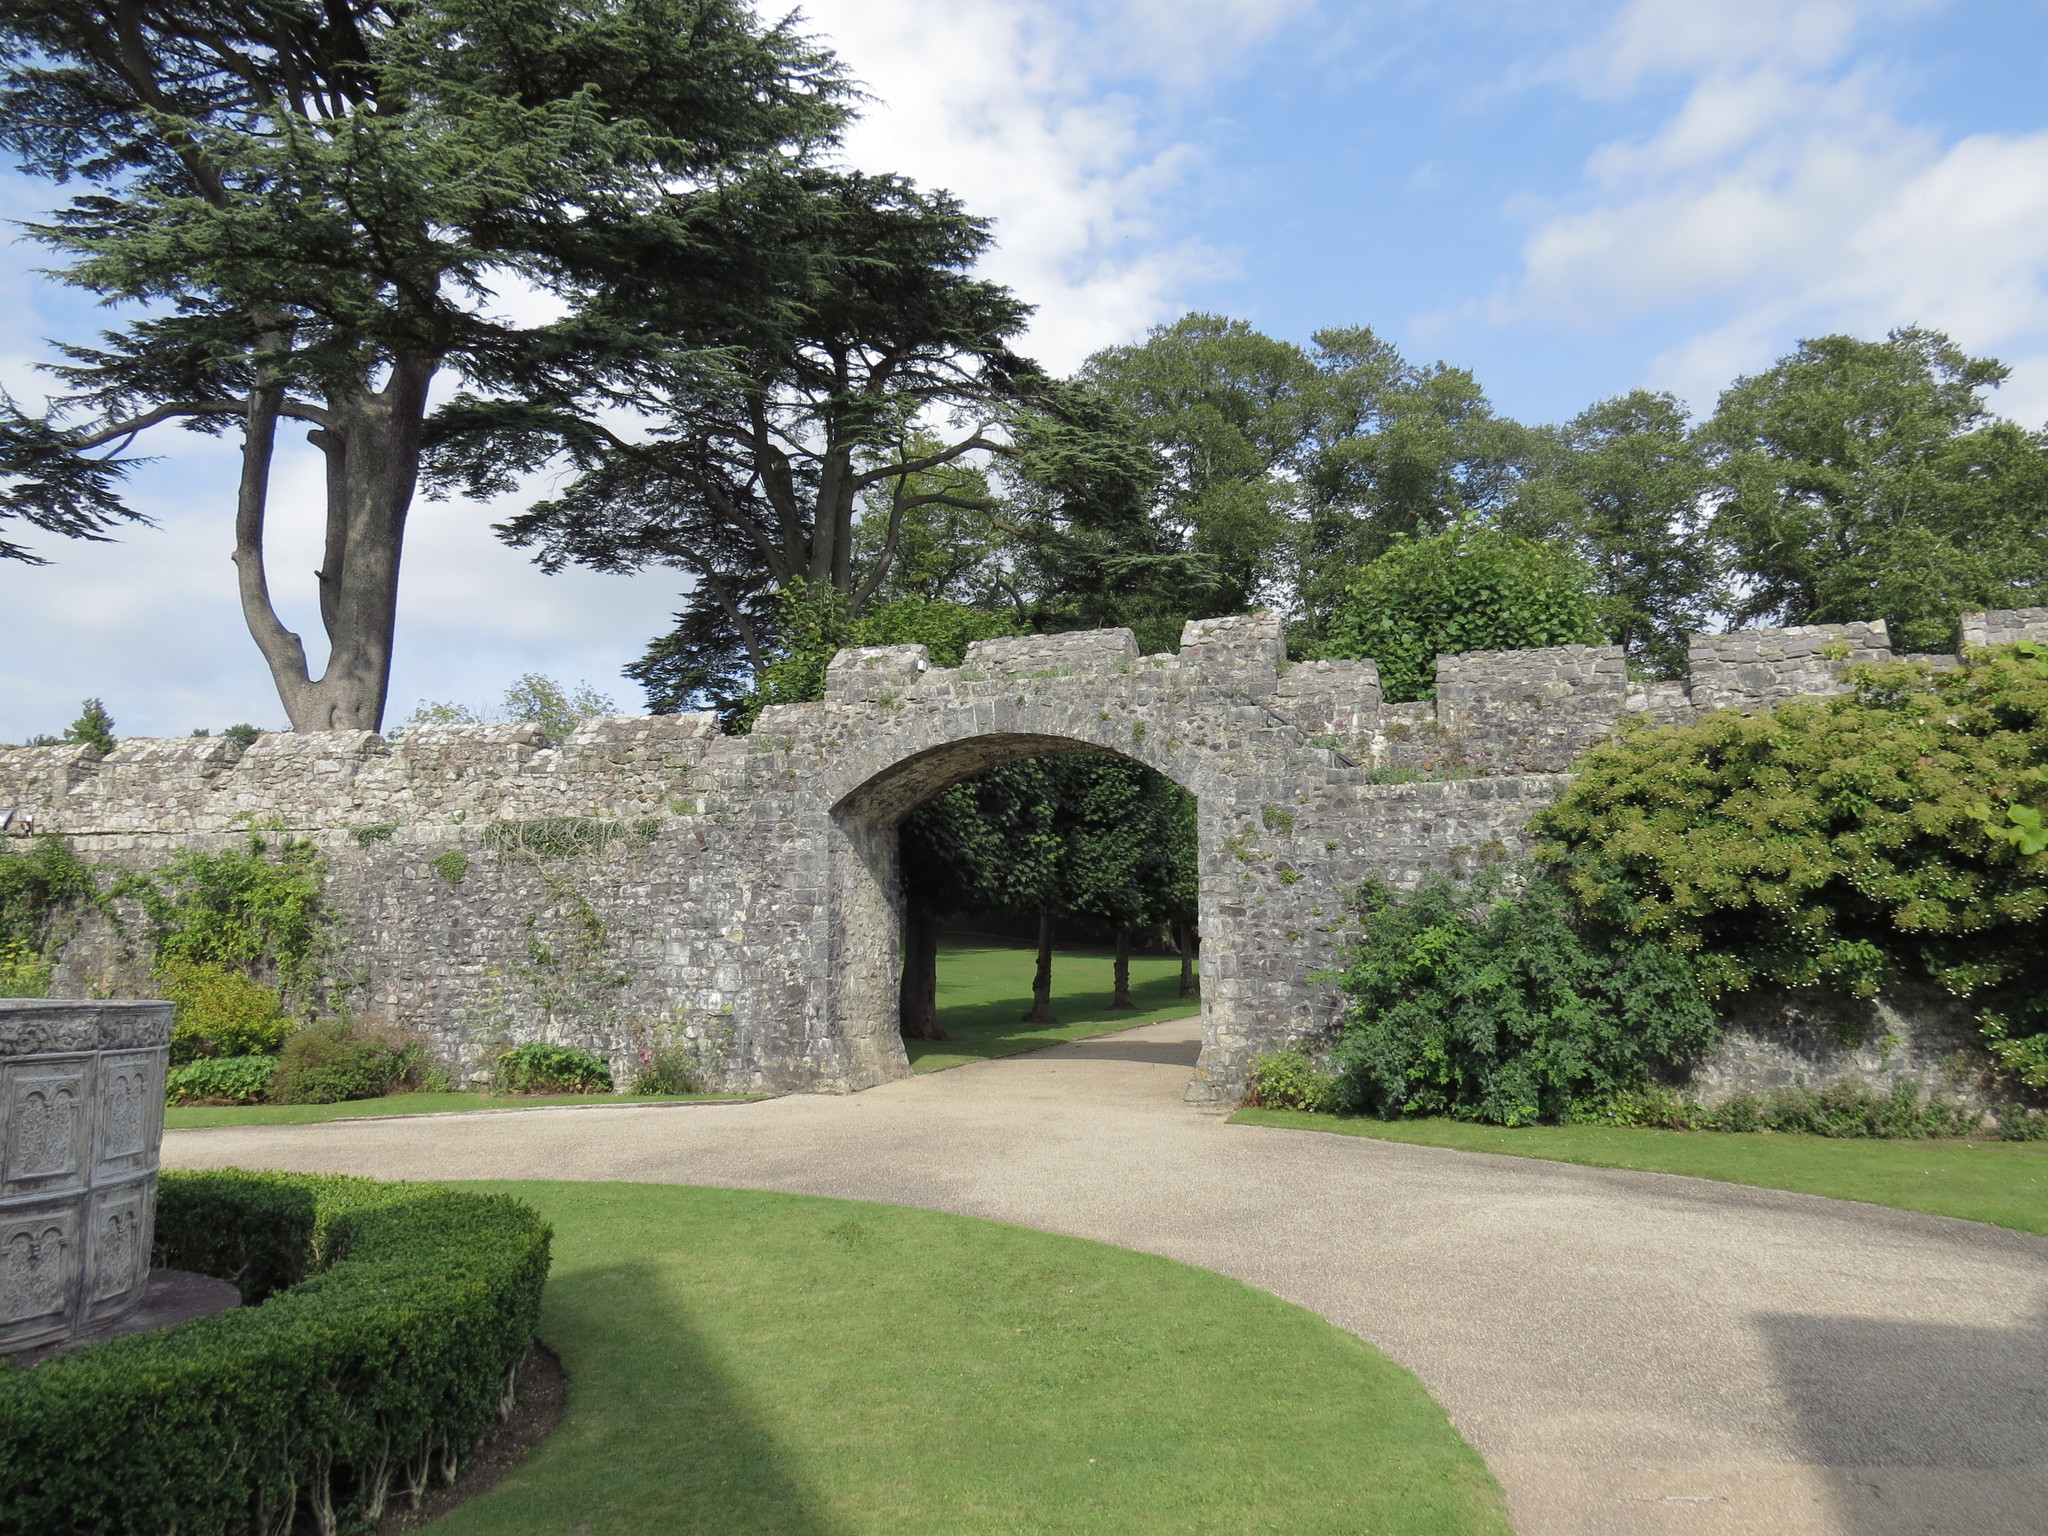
(1632, 1352)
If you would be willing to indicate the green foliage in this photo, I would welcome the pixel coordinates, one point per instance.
(1290, 1080)
(451, 866)
(1623, 482)
(553, 837)
(1866, 480)
(1102, 839)
(1469, 589)
(1228, 410)
(555, 710)
(393, 1318)
(1839, 1109)
(39, 885)
(23, 972)
(336, 1060)
(220, 1012)
(537, 1067)
(221, 1080)
(534, 699)
(666, 1069)
(255, 909)
(94, 728)
(1481, 1002)
(814, 627)
(1848, 842)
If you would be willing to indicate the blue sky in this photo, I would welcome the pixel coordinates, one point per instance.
(1571, 198)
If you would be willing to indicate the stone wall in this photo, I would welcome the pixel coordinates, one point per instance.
(651, 879)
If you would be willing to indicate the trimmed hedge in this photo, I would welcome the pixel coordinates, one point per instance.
(392, 1320)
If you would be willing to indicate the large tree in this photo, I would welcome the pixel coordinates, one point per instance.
(314, 204)
(884, 360)
(1863, 480)
(1229, 410)
(1625, 482)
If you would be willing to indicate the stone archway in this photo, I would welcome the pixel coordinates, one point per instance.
(866, 886)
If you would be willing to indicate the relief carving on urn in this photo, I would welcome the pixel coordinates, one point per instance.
(81, 1119)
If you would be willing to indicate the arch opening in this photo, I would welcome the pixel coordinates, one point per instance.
(1110, 855)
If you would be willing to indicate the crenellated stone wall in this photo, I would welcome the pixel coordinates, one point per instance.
(651, 880)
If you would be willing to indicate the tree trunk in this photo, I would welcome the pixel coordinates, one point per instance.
(1123, 971)
(919, 1001)
(1041, 981)
(1184, 940)
(372, 444)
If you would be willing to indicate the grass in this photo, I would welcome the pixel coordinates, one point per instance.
(2001, 1182)
(201, 1116)
(777, 1364)
(985, 987)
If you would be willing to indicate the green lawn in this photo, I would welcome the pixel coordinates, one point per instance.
(776, 1364)
(2002, 1182)
(198, 1117)
(985, 987)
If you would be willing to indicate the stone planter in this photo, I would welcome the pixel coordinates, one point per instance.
(81, 1122)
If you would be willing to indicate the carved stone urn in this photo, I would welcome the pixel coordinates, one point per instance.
(81, 1122)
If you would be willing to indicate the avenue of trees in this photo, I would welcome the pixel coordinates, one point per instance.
(608, 247)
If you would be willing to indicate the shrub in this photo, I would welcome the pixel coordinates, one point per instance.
(1840, 1109)
(667, 1069)
(338, 1059)
(394, 1317)
(220, 1012)
(221, 1080)
(1486, 1003)
(1289, 1080)
(23, 972)
(1470, 589)
(539, 1068)
(1847, 842)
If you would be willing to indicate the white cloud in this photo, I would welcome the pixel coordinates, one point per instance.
(1048, 120)
(1785, 198)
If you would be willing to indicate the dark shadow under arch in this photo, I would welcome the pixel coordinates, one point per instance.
(867, 894)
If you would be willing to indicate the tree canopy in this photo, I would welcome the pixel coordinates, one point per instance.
(315, 209)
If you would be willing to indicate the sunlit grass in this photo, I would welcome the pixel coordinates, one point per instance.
(745, 1363)
(2002, 1182)
(985, 988)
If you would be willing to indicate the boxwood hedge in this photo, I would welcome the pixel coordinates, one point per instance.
(392, 1319)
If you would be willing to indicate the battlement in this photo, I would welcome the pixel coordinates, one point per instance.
(2004, 626)
(1496, 712)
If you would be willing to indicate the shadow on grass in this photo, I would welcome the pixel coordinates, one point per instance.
(984, 989)
(656, 1442)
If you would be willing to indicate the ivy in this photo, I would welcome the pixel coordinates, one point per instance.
(39, 886)
(255, 910)
(1850, 842)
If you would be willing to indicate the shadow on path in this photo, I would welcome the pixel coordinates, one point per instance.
(1920, 1422)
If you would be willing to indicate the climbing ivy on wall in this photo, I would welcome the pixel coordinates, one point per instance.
(40, 884)
(1849, 842)
(254, 910)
